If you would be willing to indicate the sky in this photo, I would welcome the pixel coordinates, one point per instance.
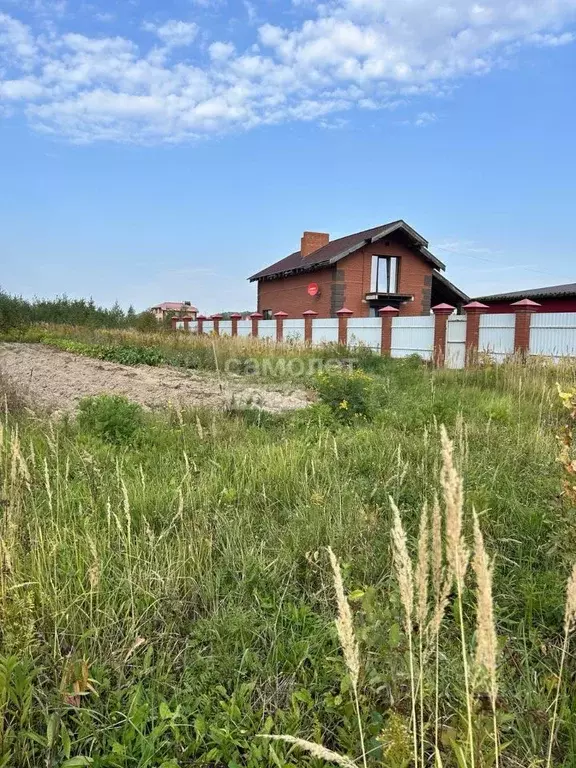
(162, 151)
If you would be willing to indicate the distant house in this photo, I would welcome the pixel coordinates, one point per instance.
(170, 308)
(388, 265)
(553, 298)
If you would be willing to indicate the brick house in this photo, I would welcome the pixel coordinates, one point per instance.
(385, 265)
(552, 298)
(170, 308)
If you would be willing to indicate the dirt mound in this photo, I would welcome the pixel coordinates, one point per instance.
(56, 380)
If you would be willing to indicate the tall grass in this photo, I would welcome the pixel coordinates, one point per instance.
(165, 600)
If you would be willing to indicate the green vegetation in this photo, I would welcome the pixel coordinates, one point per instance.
(16, 312)
(111, 418)
(166, 596)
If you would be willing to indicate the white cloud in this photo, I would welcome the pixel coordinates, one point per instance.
(348, 54)
(221, 51)
(425, 118)
(174, 33)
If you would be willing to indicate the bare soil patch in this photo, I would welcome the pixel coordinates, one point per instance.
(57, 380)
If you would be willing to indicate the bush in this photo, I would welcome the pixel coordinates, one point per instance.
(112, 418)
(132, 355)
(350, 394)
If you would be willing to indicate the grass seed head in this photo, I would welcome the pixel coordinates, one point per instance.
(345, 624)
(486, 641)
(570, 613)
(316, 750)
(402, 564)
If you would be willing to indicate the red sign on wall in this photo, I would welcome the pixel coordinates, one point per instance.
(313, 289)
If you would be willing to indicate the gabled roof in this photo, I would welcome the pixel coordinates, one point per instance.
(450, 286)
(550, 291)
(337, 249)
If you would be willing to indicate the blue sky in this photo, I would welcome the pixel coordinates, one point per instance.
(162, 151)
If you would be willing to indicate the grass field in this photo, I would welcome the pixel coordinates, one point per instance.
(167, 596)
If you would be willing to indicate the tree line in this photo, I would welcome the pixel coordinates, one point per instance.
(16, 312)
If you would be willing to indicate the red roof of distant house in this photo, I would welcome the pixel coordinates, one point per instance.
(177, 306)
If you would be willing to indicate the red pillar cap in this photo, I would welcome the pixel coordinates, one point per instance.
(388, 310)
(443, 309)
(280, 314)
(526, 304)
(200, 317)
(187, 317)
(344, 311)
(216, 317)
(236, 316)
(257, 315)
(310, 313)
(475, 305)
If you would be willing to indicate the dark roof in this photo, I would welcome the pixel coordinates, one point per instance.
(337, 249)
(450, 286)
(550, 291)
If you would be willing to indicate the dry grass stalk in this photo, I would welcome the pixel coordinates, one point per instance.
(402, 566)
(437, 559)
(457, 553)
(422, 569)
(404, 575)
(457, 556)
(316, 750)
(344, 624)
(569, 627)
(486, 640)
(422, 574)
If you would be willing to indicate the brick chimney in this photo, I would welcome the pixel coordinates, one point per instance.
(311, 241)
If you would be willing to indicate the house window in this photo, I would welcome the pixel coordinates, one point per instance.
(384, 278)
(267, 314)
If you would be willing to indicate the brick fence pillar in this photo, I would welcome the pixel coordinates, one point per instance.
(234, 318)
(343, 315)
(386, 315)
(173, 321)
(255, 317)
(523, 310)
(441, 314)
(216, 320)
(280, 324)
(473, 311)
(200, 319)
(309, 316)
(186, 321)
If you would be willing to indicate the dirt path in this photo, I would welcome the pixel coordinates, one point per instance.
(56, 380)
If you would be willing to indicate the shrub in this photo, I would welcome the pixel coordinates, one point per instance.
(350, 394)
(112, 418)
(132, 355)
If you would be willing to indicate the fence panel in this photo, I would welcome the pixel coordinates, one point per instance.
(325, 330)
(180, 325)
(413, 336)
(496, 336)
(456, 342)
(226, 327)
(267, 329)
(294, 330)
(244, 327)
(365, 331)
(553, 334)
(208, 326)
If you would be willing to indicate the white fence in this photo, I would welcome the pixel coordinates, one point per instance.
(496, 337)
(551, 334)
(413, 336)
(366, 331)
